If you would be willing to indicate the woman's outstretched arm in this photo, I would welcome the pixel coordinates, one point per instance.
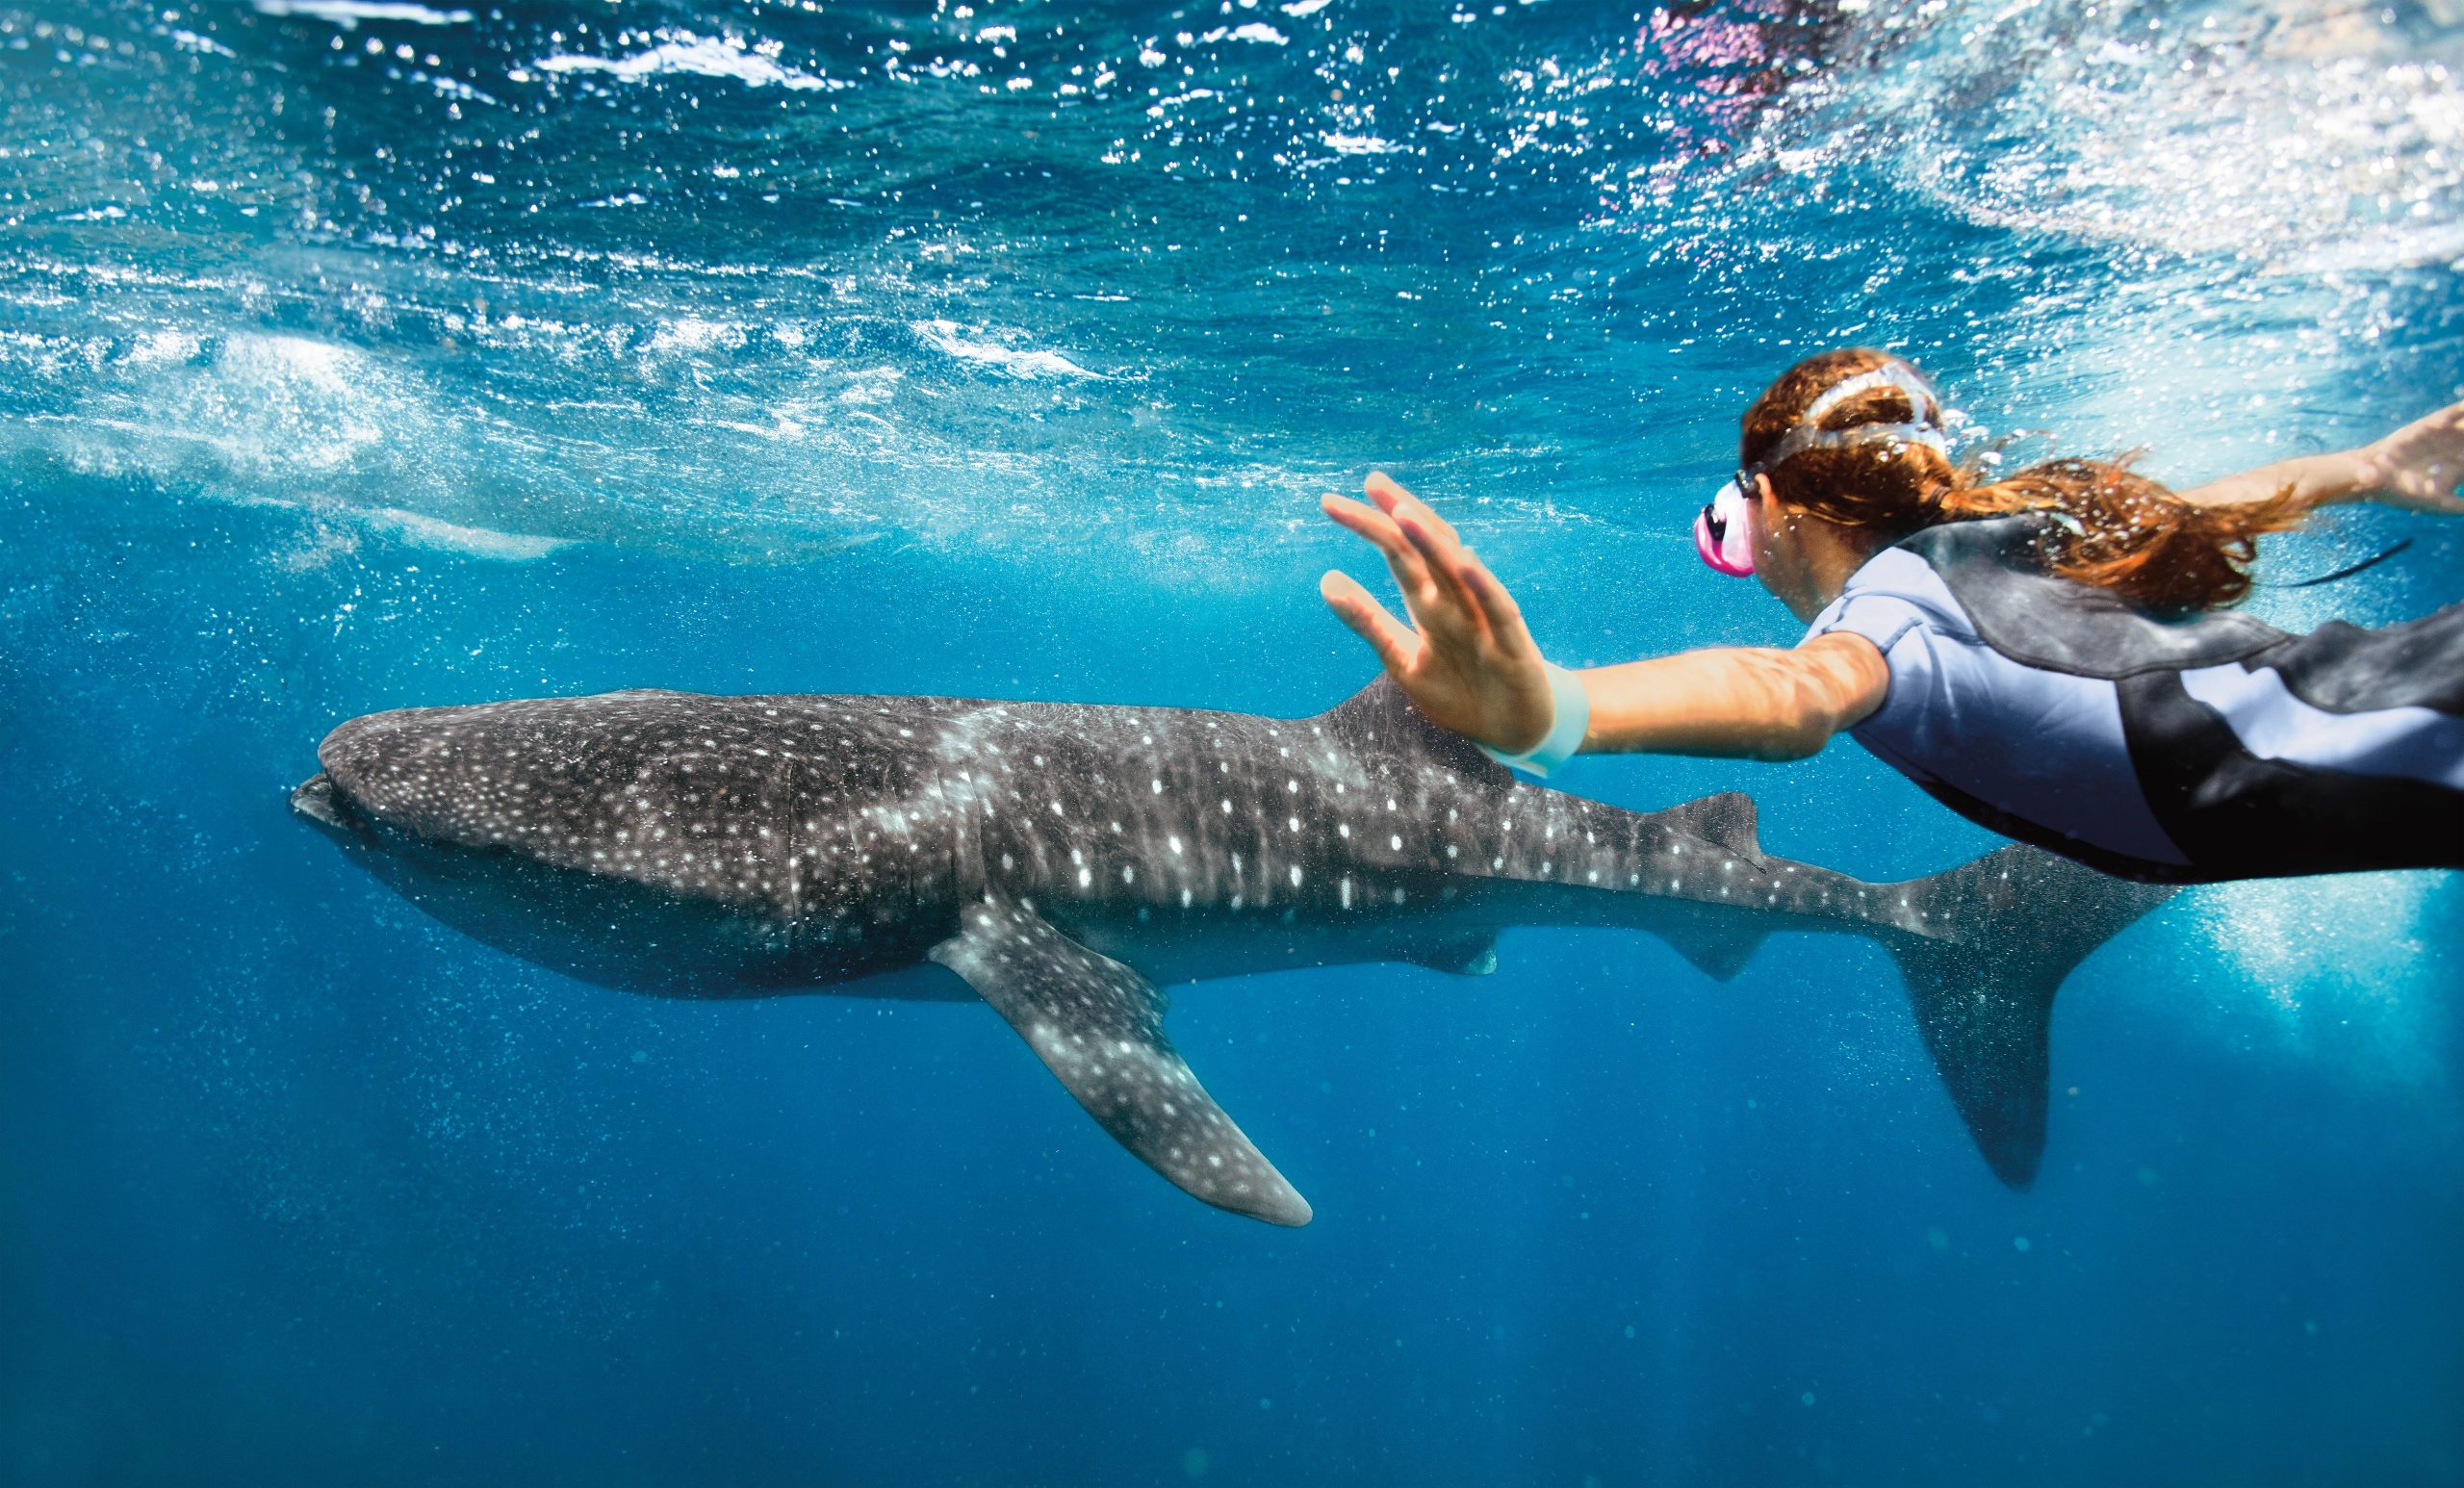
(1737, 701)
(1469, 664)
(2417, 468)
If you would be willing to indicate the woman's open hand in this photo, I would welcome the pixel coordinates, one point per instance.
(1466, 660)
(2419, 467)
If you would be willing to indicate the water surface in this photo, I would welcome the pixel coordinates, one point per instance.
(355, 355)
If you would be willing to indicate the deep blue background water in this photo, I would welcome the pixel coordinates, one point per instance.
(338, 378)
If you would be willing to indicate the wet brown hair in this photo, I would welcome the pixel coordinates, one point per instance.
(2111, 528)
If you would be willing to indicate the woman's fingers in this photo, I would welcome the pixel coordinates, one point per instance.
(1504, 618)
(1396, 646)
(1434, 603)
(1358, 516)
(1410, 570)
(1408, 511)
(2427, 457)
(1393, 499)
(1471, 647)
(1440, 546)
(2448, 422)
(1443, 557)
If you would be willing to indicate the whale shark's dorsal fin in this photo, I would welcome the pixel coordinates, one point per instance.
(1726, 820)
(1380, 714)
(1099, 1026)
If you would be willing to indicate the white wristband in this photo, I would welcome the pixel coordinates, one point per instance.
(1570, 721)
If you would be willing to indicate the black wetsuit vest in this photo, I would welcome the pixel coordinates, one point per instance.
(2234, 812)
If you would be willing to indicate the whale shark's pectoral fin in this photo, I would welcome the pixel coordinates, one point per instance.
(1099, 1026)
(1718, 951)
(1474, 955)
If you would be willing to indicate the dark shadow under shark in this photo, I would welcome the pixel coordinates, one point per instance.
(1061, 862)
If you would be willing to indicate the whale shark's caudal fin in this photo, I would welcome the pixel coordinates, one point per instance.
(1999, 936)
(1099, 1026)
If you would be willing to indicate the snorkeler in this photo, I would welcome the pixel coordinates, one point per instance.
(2050, 655)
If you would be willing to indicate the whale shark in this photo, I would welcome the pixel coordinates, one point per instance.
(1067, 862)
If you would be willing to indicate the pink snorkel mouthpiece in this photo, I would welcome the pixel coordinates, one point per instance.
(1724, 534)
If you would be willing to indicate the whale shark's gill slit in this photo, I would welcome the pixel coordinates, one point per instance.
(1099, 1027)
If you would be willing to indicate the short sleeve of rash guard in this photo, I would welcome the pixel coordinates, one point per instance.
(1898, 599)
(2044, 746)
(1942, 678)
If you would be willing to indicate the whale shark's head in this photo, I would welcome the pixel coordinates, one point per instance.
(368, 798)
(500, 837)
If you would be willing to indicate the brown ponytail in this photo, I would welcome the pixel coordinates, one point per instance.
(2124, 533)
(2109, 528)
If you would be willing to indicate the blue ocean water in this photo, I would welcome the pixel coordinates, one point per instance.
(358, 354)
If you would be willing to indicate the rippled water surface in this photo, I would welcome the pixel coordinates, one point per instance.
(356, 354)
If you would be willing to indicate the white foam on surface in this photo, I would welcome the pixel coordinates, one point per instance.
(945, 336)
(348, 14)
(683, 52)
(2305, 135)
(1256, 31)
(471, 541)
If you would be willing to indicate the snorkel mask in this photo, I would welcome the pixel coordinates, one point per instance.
(1724, 531)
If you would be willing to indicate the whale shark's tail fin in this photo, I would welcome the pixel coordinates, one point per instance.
(1991, 943)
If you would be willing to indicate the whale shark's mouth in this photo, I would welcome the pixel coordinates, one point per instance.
(319, 799)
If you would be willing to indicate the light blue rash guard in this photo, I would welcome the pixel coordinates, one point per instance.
(2042, 745)
(2185, 749)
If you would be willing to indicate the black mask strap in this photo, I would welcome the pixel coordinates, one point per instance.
(2348, 571)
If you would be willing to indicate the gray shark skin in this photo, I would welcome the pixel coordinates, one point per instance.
(1061, 862)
